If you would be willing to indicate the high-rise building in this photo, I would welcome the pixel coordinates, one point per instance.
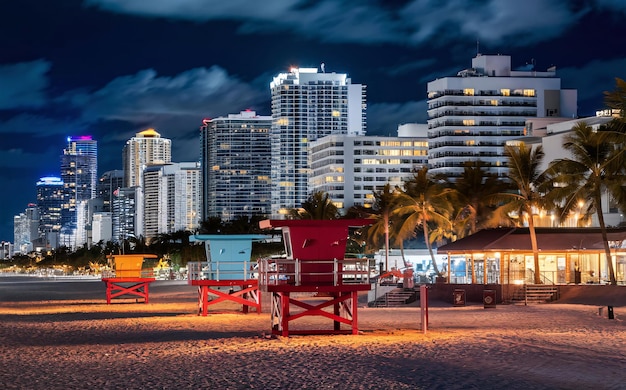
(472, 115)
(145, 148)
(25, 229)
(50, 199)
(236, 165)
(127, 218)
(79, 172)
(351, 168)
(101, 227)
(307, 105)
(172, 198)
(108, 182)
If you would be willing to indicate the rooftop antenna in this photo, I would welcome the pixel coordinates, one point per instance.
(322, 66)
(477, 47)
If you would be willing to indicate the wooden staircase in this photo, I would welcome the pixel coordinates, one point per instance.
(535, 294)
(395, 298)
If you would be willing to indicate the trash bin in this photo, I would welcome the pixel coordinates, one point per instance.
(459, 297)
(489, 298)
(610, 312)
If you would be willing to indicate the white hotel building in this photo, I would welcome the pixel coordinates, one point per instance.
(307, 105)
(145, 148)
(472, 115)
(172, 198)
(351, 168)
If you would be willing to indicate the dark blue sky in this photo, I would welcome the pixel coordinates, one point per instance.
(111, 68)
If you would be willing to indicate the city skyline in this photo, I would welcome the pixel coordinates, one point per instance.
(112, 68)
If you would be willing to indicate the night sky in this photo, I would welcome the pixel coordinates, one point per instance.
(112, 68)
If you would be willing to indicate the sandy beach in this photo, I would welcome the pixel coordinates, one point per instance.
(63, 335)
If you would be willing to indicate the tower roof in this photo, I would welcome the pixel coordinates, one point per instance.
(148, 133)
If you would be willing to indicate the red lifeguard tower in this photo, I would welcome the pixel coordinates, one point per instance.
(315, 264)
(128, 277)
(228, 267)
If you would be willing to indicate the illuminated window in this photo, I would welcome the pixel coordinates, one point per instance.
(470, 142)
(468, 91)
(282, 122)
(493, 102)
(468, 122)
(529, 92)
(336, 113)
(505, 92)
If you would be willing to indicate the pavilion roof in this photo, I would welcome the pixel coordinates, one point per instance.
(548, 239)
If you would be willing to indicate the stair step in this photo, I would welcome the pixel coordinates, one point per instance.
(535, 294)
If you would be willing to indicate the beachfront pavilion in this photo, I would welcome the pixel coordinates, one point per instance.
(504, 256)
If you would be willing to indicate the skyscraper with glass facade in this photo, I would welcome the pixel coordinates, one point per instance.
(79, 173)
(50, 200)
(236, 161)
(307, 105)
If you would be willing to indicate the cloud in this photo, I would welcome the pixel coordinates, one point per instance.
(592, 79)
(409, 67)
(23, 84)
(381, 115)
(145, 97)
(35, 126)
(415, 22)
(494, 22)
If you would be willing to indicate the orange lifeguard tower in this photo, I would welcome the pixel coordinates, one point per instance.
(228, 266)
(315, 264)
(128, 277)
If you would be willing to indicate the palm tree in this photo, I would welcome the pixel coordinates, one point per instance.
(424, 201)
(317, 206)
(523, 164)
(381, 211)
(597, 166)
(477, 194)
(616, 99)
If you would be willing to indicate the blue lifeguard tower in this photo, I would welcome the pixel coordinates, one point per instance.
(229, 267)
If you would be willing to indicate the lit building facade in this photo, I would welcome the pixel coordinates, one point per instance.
(25, 229)
(50, 199)
(172, 198)
(351, 168)
(236, 166)
(472, 115)
(107, 184)
(307, 105)
(145, 148)
(126, 217)
(102, 227)
(79, 170)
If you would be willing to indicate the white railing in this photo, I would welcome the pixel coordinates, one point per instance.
(298, 272)
(221, 270)
(143, 273)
